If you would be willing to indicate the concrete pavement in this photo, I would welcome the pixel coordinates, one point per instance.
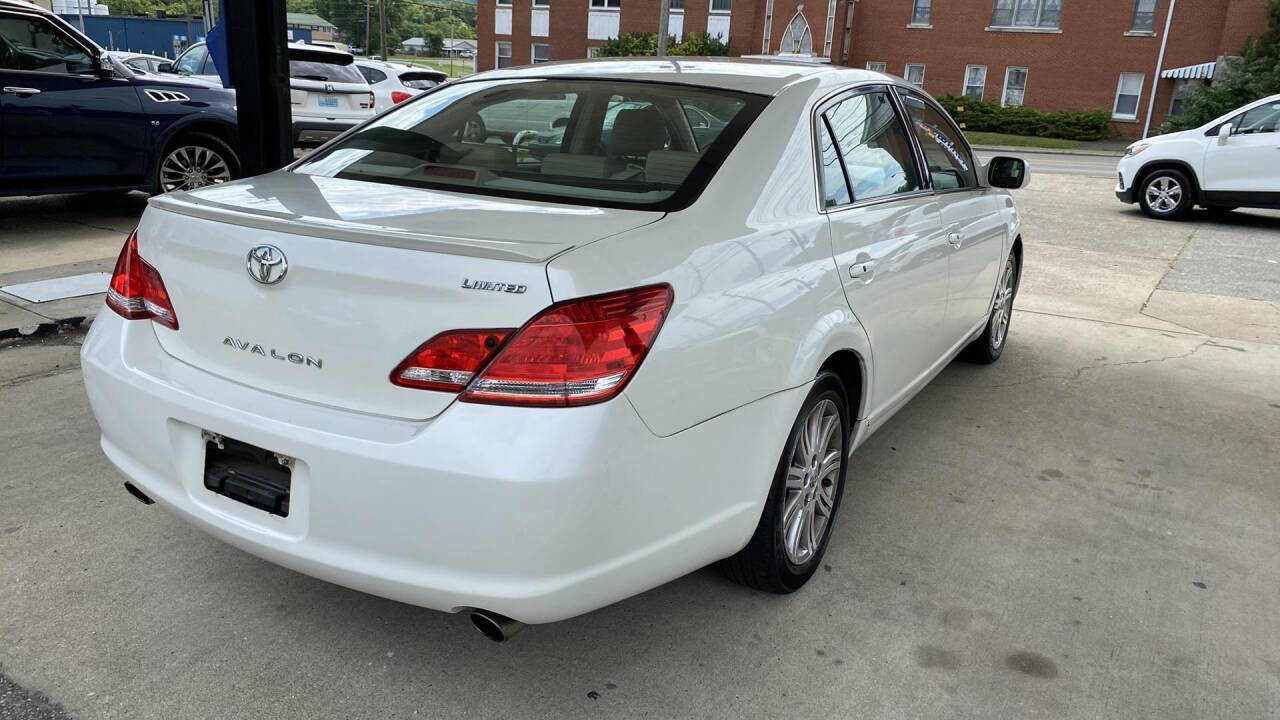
(1085, 529)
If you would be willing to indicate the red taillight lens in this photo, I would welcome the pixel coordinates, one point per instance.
(372, 99)
(448, 360)
(575, 353)
(399, 96)
(137, 291)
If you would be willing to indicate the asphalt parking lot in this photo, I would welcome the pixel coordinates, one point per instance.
(1087, 529)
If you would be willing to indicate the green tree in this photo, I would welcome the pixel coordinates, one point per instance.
(1238, 81)
(642, 44)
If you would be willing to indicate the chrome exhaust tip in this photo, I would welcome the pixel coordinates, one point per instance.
(498, 628)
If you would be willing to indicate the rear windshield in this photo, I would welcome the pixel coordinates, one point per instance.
(588, 142)
(421, 80)
(322, 66)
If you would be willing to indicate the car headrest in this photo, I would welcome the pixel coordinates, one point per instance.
(637, 131)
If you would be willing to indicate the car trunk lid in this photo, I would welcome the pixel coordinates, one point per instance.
(373, 271)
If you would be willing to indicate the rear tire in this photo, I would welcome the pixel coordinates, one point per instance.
(989, 346)
(1166, 194)
(795, 525)
(193, 160)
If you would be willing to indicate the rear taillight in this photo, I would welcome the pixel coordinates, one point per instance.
(574, 353)
(372, 99)
(448, 360)
(399, 96)
(136, 290)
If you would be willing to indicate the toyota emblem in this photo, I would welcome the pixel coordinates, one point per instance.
(267, 264)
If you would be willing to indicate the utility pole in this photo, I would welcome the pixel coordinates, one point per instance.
(382, 29)
(664, 21)
(367, 4)
(80, 12)
(208, 16)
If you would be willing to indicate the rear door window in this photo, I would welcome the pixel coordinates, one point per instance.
(372, 75)
(873, 145)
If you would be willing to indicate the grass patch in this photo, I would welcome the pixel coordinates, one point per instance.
(461, 66)
(991, 138)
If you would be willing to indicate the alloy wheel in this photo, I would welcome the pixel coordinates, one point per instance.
(1003, 309)
(1164, 194)
(192, 166)
(813, 477)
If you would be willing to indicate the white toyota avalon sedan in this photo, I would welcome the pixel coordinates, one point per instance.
(528, 374)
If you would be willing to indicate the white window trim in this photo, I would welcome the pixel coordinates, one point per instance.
(497, 54)
(533, 52)
(1026, 28)
(964, 84)
(503, 3)
(923, 26)
(719, 12)
(906, 73)
(591, 6)
(883, 66)
(1142, 81)
(1004, 90)
(541, 3)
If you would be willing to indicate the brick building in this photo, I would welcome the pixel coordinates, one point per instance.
(1047, 54)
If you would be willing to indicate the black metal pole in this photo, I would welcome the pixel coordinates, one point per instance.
(257, 51)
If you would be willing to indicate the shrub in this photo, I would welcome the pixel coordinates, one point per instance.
(642, 44)
(988, 116)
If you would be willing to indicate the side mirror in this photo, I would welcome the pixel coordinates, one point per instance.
(165, 67)
(1007, 172)
(102, 66)
(1224, 132)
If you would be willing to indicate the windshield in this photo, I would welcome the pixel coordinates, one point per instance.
(324, 67)
(587, 142)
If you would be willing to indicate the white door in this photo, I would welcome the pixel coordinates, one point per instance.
(889, 248)
(1249, 160)
(970, 216)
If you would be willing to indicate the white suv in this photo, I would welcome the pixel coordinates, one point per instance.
(327, 93)
(1231, 162)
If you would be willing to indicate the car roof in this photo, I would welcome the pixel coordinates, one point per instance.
(318, 49)
(761, 77)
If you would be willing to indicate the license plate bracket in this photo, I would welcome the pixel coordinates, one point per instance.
(248, 474)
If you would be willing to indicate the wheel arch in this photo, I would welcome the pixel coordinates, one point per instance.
(1168, 164)
(850, 367)
(211, 125)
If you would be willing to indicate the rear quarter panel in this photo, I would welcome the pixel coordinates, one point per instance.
(758, 305)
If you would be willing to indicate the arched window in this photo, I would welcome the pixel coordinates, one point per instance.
(797, 40)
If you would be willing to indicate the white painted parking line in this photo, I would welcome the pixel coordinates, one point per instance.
(60, 288)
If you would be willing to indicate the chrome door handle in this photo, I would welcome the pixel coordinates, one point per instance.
(954, 239)
(21, 91)
(862, 269)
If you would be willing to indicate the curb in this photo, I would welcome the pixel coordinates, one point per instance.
(53, 327)
(1051, 151)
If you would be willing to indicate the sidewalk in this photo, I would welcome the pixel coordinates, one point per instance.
(42, 300)
(1082, 150)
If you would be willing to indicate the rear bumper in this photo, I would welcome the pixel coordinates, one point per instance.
(310, 132)
(538, 514)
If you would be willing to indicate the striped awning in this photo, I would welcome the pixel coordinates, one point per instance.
(1203, 71)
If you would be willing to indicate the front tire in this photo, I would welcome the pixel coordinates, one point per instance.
(989, 346)
(196, 159)
(800, 511)
(1166, 195)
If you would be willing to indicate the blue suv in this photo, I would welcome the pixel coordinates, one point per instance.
(72, 119)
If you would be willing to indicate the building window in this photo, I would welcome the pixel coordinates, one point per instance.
(593, 51)
(541, 53)
(1127, 92)
(502, 3)
(542, 3)
(975, 81)
(922, 12)
(876, 66)
(915, 74)
(677, 5)
(1044, 14)
(1015, 87)
(1144, 17)
(503, 54)
(797, 40)
(605, 4)
(721, 5)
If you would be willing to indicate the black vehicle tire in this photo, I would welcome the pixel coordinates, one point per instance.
(193, 160)
(989, 346)
(799, 494)
(1166, 194)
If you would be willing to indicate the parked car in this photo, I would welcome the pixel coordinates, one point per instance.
(140, 61)
(393, 83)
(73, 119)
(1228, 163)
(463, 377)
(327, 92)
